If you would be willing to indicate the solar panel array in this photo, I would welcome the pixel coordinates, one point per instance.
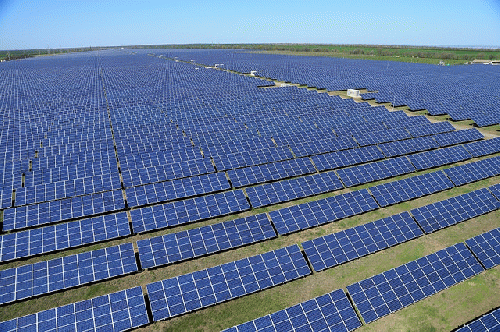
(307, 215)
(400, 148)
(484, 148)
(205, 240)
(397, 288)
(440, 157)
(413, 187)
(489, 322)
(120, 311)
(58, 237)
(370, 172)
(495, 189)
(146, 175)
(287, 190)
(346, 158)
(171, 190)
(454, 210)
(56, 211)
(474, 171)
(335, 249)
(329, 312)
(303, 149)
(62, 273)
(486, 247)
(189, 292)
(459, 136)
(129, 137)
(270, 172)
(187, 211)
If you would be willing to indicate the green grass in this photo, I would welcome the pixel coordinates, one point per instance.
(415, 54)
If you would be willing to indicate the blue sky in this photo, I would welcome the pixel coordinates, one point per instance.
(76, 23)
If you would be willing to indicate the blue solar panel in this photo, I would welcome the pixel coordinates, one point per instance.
(329, 312)
(440, 157)
(474, 171)
(483, 148)
(406, 189)
(196, 242)
(379, 170)
(323, 146)
(346, 158)
(287, 190)
(189, 210)
(457, 137)
(69, 208)
(158, 173)
(489, 322)
(382, 136)
(400, 287)
(495, 189)
(120, 311)
(189, 292)
(181, 188)
(62, 273)
(68, 235)
(270, 172)
(431, 129)
(5, 198)
(55, 190)
(250, 158)
(334, 249)
(449, 212)
(399, 148)
(307, 215)
(486, 247)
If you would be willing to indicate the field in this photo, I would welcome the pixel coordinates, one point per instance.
(412, 54)
(131, 134)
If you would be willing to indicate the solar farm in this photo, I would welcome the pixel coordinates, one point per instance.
(223, 190)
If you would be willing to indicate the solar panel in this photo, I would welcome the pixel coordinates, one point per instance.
(431, 129)
(379, 170)
(346, 158)
(489, 322)
(382, 136)
(158, 173)
(304, 149)
(176, 189)
(189, 210)
(251, 158)
(495, 189)
(400, 287)
(62, 273)
(68, 235)
(449, 212)
(399, 148)
(457, 137)
(486, 247)
(329, 312)
(474, 171)
(483, 148)
(56, 211)
(270, 172)
(189, 292)
(287, 190)
(440, 157)
(209, 239)
(120, 311)
(334, 249)
(406, 189)
(307, 215)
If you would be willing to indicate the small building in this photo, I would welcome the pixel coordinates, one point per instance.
(353, 93)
